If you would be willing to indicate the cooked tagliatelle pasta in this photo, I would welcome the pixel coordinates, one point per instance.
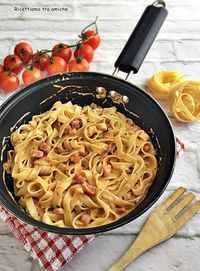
(80, 167)
(184, 101)
(160, 83)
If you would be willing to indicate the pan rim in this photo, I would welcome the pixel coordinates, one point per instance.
(26, 218)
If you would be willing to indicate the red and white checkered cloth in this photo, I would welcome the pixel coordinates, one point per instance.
(180, 147)
(51, 250)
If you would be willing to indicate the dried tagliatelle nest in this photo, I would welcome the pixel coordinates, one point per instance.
(184, 101)
(183, 96)
(161, 83)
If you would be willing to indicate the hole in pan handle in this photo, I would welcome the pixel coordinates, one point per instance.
(141, 39)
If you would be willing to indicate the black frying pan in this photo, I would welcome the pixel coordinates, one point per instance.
(84, 89)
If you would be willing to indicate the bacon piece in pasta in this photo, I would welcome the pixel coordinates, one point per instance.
(37, 154)
(86, 219)
(129, 196)
(45, 148)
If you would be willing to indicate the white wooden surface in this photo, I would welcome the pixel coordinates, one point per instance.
(176, 47)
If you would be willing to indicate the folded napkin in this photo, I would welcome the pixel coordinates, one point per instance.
(180, 147)
(51, 250)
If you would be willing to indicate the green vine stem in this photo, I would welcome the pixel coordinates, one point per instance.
(83, 39)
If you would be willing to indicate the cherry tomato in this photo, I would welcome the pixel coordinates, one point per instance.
(24, 51)
(62, 50)
(32, 75)
(86, 51)
(13, 63)
(41, 60)
(78, 64)
(9, 81)
(1, 68)
(56, 65)
(94, 41)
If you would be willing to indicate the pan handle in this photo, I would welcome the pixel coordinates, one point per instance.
(141, 39)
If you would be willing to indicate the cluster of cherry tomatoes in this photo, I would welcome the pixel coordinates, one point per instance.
(49, 62)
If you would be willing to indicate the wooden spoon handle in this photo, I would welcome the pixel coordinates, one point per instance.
(130, 255)
(146, 239)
